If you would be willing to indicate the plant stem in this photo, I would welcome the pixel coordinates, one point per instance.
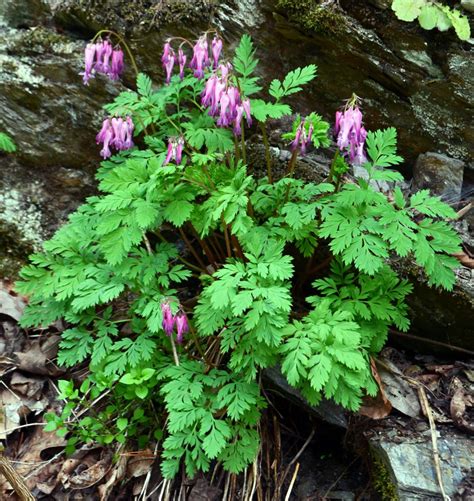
(184, 261)
(124, 43)
(242, 139)
(196, 342)
(267, 151)
(226, 235)
(333, 166)
(191, 248)
(175, 352)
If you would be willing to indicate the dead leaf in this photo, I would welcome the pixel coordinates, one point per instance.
(459, 402)
(141, 464)
(90, 476)
(398, 391)
(30, 461)
(31, 387)
(10, 305)
(14, 408)
(378, 407)
(38, 357)
(465, 259)
(114, 476)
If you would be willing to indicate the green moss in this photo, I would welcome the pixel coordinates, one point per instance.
(314, 17)
(40, 40)
(382, 480)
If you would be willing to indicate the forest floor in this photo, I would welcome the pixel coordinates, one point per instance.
(301, 457)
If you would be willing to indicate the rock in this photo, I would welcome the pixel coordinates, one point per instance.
(327, 410)
(410, 463)
(468, 5)
(442, 175)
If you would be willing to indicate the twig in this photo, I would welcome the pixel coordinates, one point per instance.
(292, 483)
(331, 487)
(430, 341)
(434, 440)
(293, 461)
(15, 480)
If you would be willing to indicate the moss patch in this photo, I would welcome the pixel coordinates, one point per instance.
(382, 480)
(314, 17)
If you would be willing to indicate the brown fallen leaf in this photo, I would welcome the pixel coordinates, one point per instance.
(114, 476)
(376, 407)
(465, 259)
(11, 305)
(38, 357)
(397, 389)
(31, 387)
(459, 402)
(31, 462)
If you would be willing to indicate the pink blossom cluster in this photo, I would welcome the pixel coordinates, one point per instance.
(175, 150)
(170, 321)
(116, 132)
(101, 57)
(199, 62)
(351, 134)
(302, 138)
(224, 100)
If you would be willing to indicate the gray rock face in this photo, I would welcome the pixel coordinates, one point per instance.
(327, 410)
(440, 174)
(468, 5)
(411, 465)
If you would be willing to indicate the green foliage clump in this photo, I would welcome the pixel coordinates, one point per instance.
(432, 14)
(6, 143)
(207, 238)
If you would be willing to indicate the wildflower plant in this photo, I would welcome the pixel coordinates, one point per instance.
(190, 273)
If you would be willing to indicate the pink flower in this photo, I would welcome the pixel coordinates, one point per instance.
(216, 50)
(200, 57)
(168, 318)
(351, 134)
(89, 54)
(181, 62)
(175, 150)
(101, 57)
(182, 326)
(116, 133)
(169, 65)
(116, 67)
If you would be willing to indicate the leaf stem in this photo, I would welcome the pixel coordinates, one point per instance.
(332, 170)
(268, 158)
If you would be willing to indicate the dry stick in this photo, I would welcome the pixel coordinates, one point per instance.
(292, 483)
(15, 480)
(434, 440)
(331, 487)
(293, 461)
(430, 341)
(191, 248)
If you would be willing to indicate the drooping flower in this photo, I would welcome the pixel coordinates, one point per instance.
(89, 55)
(116, 67)
(200, 59)
(175, 150)
(182, 326)
(168, 318)
(101, 57)
(182, 62)
(216, 50)
(169, 65)
(302, 138)
(351, 134)
(116, 133)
